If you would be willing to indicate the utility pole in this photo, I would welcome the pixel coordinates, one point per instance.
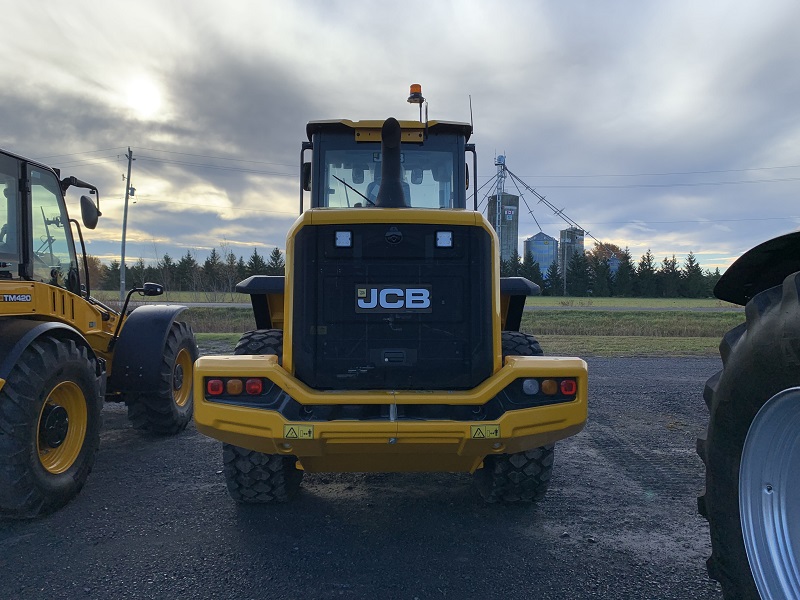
(122, 290)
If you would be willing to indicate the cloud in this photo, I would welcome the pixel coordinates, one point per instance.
(655, 125)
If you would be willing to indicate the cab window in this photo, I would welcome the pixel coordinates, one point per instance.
(53, 253)
(9, 217)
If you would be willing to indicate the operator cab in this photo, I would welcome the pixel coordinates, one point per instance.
(346, 172)
(36, 242)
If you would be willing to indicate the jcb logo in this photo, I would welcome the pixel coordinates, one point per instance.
(393, 298)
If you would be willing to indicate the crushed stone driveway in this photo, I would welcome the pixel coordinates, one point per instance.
(619, 521)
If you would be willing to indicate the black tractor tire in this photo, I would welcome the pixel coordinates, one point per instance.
(516, 343)
(261, 341)
(50, 424)
(255, 477)
(760, 358)
(521, 476)
(168, 409)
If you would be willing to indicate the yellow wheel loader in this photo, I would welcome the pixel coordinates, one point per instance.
(392, 344)
(62, 352)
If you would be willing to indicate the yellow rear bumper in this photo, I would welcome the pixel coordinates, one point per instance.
(389, 445)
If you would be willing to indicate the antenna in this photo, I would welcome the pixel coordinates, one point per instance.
(471, 123)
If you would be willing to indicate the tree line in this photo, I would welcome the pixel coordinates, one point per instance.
(589, 274)
(215, 277)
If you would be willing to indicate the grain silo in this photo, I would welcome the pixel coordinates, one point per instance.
(543, 248)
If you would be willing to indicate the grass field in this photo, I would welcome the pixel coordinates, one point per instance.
(567, 332)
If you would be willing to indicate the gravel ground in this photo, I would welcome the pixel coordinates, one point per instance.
(619, 521)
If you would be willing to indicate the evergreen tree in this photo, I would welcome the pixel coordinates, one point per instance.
(711, 279)
(187, 273)
(530, 269)
(256, 265)
(646, 276)
(624, 279)
(578, 277)
(213, 272)
(111, 276)
(694, 285)
(241, 269)
(601, 277)
(552, 280)
(137, 272)
(668, 278)
(276, 264)
(166, 268)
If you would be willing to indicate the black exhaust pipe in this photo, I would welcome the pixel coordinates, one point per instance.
(390, 194)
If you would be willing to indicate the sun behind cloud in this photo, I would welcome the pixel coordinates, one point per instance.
(143, 97)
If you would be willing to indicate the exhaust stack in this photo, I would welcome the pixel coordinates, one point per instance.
(390, 194)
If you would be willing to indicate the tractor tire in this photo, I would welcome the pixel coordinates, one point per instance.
(261, 341)
(255, 477)
(168, 409)
(49, 427)
(522, 476)
(760, 358)
(516, 343)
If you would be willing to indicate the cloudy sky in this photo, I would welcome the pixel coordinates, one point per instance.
(670, 125)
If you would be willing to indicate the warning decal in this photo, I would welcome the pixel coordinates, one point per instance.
(480, 432)
(298, 432)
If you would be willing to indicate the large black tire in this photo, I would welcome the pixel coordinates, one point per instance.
(257, 478)
(261, 341)
(168, 409)
(49, 427)
(522, 476)
(254, 477)
(760, 358)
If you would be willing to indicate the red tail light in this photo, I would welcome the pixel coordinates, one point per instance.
(569, 387)
(254, 386)
(214, 387)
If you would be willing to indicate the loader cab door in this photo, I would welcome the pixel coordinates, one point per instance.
(10, 256)
(53, 252)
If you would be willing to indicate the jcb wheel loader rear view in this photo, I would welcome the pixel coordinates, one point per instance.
(62, 352)
(392, 344)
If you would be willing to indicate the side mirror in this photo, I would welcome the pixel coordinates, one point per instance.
(306, 176)
(416, 176)
(152, 289)
(467, 168)
(89, 212)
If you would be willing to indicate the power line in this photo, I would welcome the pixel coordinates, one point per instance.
(84, 152)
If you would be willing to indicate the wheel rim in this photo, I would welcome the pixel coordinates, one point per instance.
(181, 378)
(62, 427)
(769, 494)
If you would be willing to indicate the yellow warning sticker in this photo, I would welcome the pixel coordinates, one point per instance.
(480, 432)
(298, 432)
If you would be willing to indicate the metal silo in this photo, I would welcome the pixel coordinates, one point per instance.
(543, 248)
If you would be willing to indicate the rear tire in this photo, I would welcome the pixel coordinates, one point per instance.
(49, 427)
(168, 409)
(255, 477)
(522, 476)
(761, 358)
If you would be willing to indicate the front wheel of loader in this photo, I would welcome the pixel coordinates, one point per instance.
(255, 477)
(49, 427)
(752, 451)
(522, 476)
(169, 408)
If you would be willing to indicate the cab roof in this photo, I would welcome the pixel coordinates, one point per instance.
(370, 130)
